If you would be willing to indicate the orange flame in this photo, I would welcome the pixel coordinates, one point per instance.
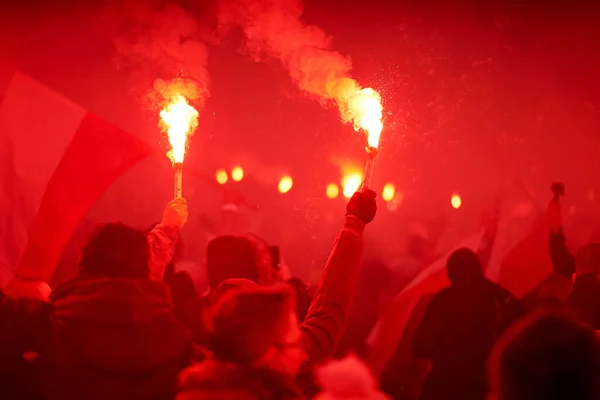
(178, 119)
(365, 111)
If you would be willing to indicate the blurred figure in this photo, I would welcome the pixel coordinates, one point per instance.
(348, 379)
(303, 297)
(241, 256)
(256, 348)
(553, 291)
(320, 332)
(460, 325)
(547, 356)
(584, 300)
(111, 332)
(373, 280)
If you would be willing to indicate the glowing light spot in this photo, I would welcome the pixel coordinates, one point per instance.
(332, 191)
(456, 201)
(395, 203)
(351, 183)
(221, 176)
(237, 174)
(178, 119)
(388, 193)
(285, 184)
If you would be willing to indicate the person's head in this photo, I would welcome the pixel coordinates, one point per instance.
(244, 257)
(463, 267)
(588, 259)
(546, 356)
(116, 250)
(257, 327)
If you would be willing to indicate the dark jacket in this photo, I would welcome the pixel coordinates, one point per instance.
(103, 338)
(457, 332)
(213, 380)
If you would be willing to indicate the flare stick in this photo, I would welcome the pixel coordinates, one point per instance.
(369, 166)
(178, 169)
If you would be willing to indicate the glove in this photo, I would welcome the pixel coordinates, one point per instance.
(175, 215)
(362, 205)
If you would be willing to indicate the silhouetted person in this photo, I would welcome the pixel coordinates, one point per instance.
(584, 300)
(109, 333)
(546, 357)
(460, 325)
(257, 348)
(323, 326)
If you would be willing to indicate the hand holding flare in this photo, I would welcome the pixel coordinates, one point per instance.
(179, 119)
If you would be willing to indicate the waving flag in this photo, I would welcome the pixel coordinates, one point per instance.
(57, 160)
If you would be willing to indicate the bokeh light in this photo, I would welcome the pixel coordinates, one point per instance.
(237, 173)
(456, 201)
(285, 184)
(351, 183)
(221, 176)
(388, 193)
(332, 191)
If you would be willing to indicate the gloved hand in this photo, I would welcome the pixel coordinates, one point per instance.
(176, 214)
(363, 206)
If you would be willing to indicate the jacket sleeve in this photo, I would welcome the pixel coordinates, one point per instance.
(563, 262)
(324, 324)
(162, 241)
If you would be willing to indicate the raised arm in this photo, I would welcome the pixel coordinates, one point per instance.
(563, 262)
(163, 238)
(326, 319)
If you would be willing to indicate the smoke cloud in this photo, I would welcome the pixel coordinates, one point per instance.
(275, 28)
(159, 45)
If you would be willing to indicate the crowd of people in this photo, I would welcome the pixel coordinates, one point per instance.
(130, 326)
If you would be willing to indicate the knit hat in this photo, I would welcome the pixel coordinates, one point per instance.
(116, 250)
(230, 257)
(248, 321)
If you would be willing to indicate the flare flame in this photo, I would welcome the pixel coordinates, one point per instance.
(179, 119)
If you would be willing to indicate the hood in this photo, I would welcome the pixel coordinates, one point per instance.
(122, 325)
(214, 378)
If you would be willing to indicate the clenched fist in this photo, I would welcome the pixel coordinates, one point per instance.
(176, 214)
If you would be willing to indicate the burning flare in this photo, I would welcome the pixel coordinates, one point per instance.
(179, 119)
(365, 111)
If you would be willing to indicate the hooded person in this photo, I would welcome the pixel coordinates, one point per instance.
(546, 356)
(318, 334)
(256, 348)
(238, 256)
(111, 332)
(459, 327)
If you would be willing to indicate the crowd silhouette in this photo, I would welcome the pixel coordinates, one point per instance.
(131, 326)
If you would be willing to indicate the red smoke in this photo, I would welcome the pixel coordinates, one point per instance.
(160, 46)
(275, 27)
